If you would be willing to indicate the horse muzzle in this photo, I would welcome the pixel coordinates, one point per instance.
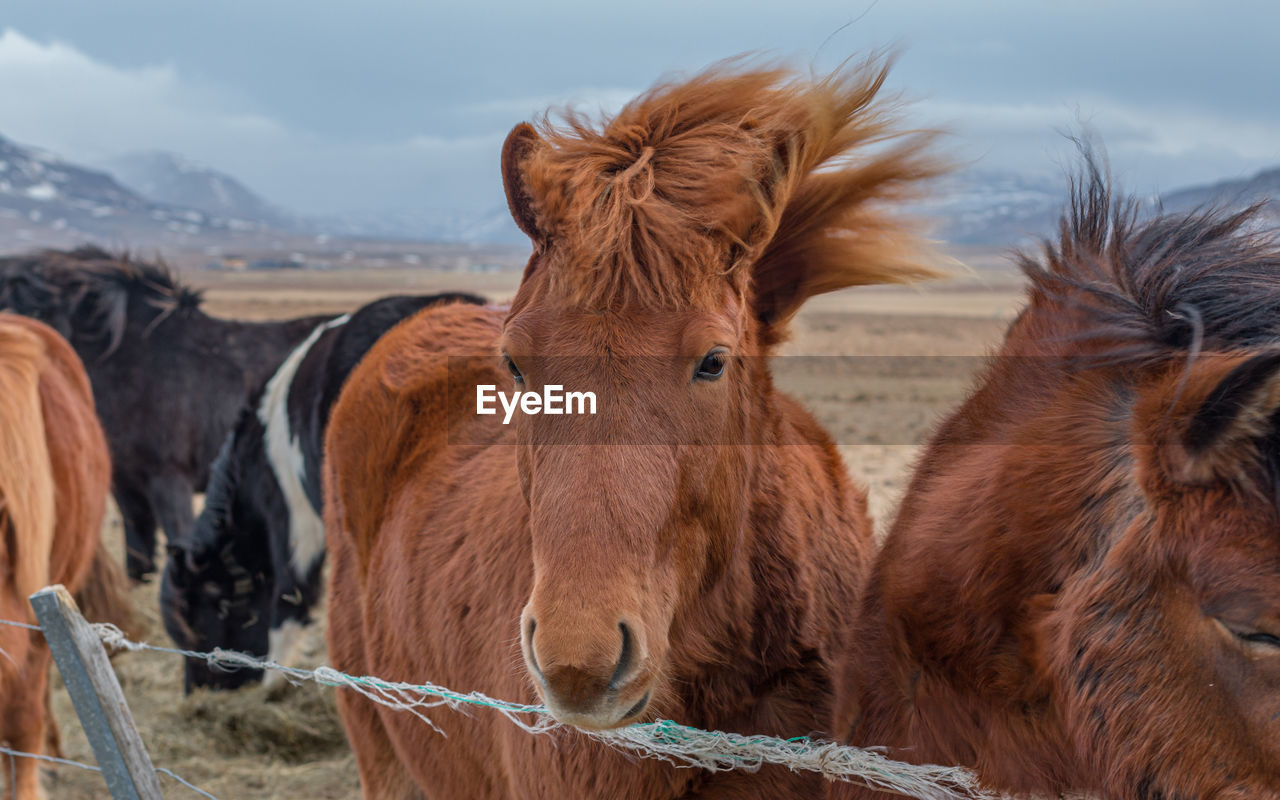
(597, 679)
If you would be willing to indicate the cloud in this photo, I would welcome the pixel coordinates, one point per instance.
(1163, 145)
(56, 97)
(587, 100)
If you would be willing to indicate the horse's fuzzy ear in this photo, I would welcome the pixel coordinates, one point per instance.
(1237, 414)
(520, 144)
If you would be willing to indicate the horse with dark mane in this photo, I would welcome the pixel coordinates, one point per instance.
(248, 574)
(168, 378)
(54, 477)
(1081, 592)
(687, 551)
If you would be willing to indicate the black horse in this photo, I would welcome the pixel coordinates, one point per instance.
(167, 378)
(248, 574)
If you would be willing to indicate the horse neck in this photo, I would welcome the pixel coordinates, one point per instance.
(257, 348)
(793, 567)
(1064, 434)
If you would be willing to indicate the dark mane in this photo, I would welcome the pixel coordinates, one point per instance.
(1155, 288)
(153, 281)
(94, 289)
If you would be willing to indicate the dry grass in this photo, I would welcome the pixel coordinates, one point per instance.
(248, 745)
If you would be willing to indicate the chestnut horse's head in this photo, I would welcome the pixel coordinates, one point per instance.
(1167, 650)
(671, 246)
(1090, 602)
(1165, 646)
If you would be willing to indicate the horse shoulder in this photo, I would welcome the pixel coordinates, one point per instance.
(393, 416)
(814, 548)
(821, 488)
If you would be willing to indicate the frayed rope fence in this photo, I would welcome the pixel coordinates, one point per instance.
(669, 741)
(12, 754)
(677, 744)
(66, 762)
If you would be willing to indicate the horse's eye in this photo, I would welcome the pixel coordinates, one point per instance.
(1260, 638)
(516, 374)
(712, 365)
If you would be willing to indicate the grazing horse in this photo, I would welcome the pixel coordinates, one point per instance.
(247, 575)
(689, 550)
(168, 378)
(54, 477)
(1081, 592)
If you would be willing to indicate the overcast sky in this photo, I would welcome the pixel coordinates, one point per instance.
(376, 105)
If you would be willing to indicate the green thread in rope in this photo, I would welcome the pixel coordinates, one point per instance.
(708, 749)
(712, 750)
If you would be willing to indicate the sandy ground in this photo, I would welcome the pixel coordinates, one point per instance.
(877, 366)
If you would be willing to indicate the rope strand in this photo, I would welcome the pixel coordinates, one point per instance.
(669, 741)
(677, 744)
(66, 762)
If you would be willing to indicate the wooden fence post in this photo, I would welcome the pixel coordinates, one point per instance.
(94, 690)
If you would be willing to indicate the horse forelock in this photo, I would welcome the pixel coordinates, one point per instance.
(694, 181)
(1156, 296)
(1158, 288)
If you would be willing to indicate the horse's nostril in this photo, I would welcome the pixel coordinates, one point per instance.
(533, 655)
(624, 658)
(638, 707)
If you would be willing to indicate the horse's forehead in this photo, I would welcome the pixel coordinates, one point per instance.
(635, 327)
(682, 268)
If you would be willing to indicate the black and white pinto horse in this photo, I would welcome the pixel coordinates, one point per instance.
(249, 572)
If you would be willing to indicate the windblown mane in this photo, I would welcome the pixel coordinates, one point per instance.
(735, 172)
(94, 287)
(1170, 286)
(154, 282)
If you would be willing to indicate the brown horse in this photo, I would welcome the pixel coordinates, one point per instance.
(1081, 592)
(686, 552)
(54, 477)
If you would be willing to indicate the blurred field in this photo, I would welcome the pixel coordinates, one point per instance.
(249, 746)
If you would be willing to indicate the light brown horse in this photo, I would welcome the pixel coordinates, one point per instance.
(1081, 593)
(54, 478)
(686, 552)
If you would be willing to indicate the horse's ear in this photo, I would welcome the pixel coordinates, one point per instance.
(522, 142)
(1236, 415)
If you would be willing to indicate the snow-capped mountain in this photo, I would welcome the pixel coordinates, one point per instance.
(993, 208)
(1262, 187)
(48, 201)
(170, 179)
(490, 227)
(166, 201)
(38, 184)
